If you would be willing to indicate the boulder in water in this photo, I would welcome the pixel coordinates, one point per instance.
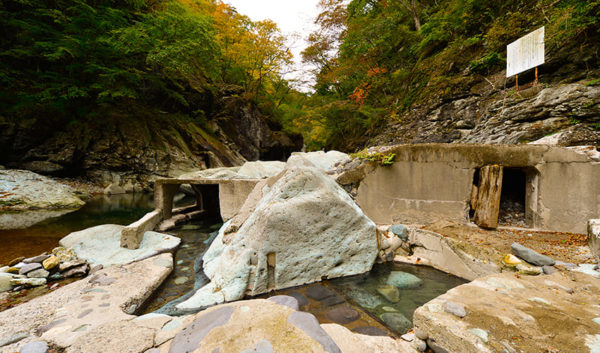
(304, 229)
(403, 280)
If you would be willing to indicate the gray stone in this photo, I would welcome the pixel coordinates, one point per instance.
(548, 270)
(370, 331)
(331, 301)
(35, 347)
(285, 300)
(25, 269)
(343, 315)
(190, 337)
(421, 334)
(299, 297)
(397, 322)
(454, 308)
(319, 292)
(401, 231)
(389, 292)
(70, 264)
(531, 256)
(38, 259)
(39, 273)
(79, 271)
(403, 280)
(421, 345)
(436, 348)
(309, 324)
(28, 282)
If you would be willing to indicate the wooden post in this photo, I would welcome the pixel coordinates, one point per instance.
(488, 196)
(517, 83)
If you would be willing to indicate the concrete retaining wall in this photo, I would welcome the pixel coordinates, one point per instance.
(433, 181)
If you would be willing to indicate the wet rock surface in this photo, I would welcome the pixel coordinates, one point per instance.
(25, 190)
(498, 308)
(78, 313)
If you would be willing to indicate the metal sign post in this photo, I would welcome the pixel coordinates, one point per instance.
(526, 53)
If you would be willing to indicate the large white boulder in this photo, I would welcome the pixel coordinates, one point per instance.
(25, 190)
(304, 229)
(261, 169)
(322, 160)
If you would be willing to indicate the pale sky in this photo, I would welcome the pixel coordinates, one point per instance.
(292, 17)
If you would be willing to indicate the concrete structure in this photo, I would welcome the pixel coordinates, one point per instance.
(223, 195)
(560, 186)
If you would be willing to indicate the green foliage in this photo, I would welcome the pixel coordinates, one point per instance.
(385, 64)
(384, 159)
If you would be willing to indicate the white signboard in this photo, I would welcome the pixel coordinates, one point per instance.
(525, 53)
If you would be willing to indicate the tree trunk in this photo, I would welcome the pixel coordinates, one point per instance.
(412, 8)
(488, 196)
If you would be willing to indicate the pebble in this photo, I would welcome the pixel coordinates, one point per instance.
(70, 264)
(16, 261)
(79, 271)
(401, 231)
(334, 300)
(420, 345)
(319, 292)
(420, 334)
(403, 280)
(397, 322)
(531, 256)
(39, 273)
(548, 270)
(35, 347)
(480, 333)
(389, 292)
(181, 280)
(370, 331)
(455, 309)
(28, 282)
(408, 337)
(539, 300)
(299, 297)
(343, 315)
(286, 300)
(36, 259)
(435, 347)
(529, 270)
(13, 270)
(29, 267)
(511, 260)
(51, 262)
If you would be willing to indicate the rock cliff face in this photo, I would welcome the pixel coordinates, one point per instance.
(490, 113)
(134, 146)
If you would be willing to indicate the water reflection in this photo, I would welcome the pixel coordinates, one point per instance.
(31, 240)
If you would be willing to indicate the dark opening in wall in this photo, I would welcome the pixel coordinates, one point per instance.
(208, 200)
(513, 199)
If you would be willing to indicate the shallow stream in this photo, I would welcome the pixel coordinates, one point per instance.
(355, 302)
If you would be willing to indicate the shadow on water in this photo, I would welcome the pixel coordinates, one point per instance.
(31, 240)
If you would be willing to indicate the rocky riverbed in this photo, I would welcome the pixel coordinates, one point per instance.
(296, 228)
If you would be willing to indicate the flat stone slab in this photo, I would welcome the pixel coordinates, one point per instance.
(246, 326)
(101, 245)
(65, 315)
(555, 311)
